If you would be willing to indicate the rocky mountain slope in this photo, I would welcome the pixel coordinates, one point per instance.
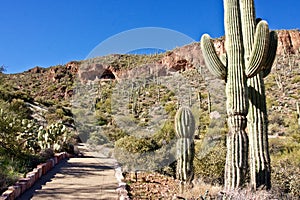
(54, 87)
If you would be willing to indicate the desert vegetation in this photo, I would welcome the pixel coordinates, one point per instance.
(45, 110)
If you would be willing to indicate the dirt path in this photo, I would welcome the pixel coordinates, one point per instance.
(91, 176)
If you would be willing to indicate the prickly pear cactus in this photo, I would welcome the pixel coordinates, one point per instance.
(185, 129)
(54, 136)
(249, 48)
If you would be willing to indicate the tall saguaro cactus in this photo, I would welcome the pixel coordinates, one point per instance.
(260, 167)
(247, 52)
(185, 129)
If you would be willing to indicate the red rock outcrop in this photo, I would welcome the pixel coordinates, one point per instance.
(175, 62)
(288, 41)
(92, 71)
(36, 69)
(73, 66)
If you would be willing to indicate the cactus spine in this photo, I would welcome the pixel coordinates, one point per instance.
(260, 167)
(239, 66)
(185, 129)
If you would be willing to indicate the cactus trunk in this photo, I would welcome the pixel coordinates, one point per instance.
(260, 167)
(185, 129)
(185, 156)
(237, 103)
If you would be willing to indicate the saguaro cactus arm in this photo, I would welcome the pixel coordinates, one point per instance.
(271, 54)
(214, 64)
(260, 49)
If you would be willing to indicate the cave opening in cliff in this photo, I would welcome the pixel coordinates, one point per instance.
(107, 74)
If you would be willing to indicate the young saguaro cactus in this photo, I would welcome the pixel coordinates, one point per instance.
(239, 66)
(185, 129)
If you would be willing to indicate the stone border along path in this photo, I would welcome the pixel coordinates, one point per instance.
(92, 176)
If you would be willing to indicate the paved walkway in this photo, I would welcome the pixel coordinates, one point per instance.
(91, 176)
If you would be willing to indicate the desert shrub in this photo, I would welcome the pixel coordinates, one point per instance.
(8, 175)
(271, 101)
(276, 119)
(167, 97)
(171, 108)
(10, 127)
(12, 168)
(158, 159)
(60, 113)
(136, 145)
(115, 134)
(286, 173)
(204, 121)
(276, 147)
(270, 82)
(101, 120)
(296, 79)
(165, 134)
(151, 152)
(21, 108)
(293, 128)
(209, 162)
(285, 157)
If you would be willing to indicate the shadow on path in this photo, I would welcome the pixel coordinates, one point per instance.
(86, 177)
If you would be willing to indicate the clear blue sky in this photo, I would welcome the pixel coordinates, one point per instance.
(50, 32)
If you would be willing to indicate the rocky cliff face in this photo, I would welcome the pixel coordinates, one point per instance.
(288, 41)
(182, 58)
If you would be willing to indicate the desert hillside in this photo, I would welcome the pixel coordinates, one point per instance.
(128, 102)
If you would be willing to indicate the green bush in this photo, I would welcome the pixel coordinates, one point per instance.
(115, 134)
(12, 168)
(285, 165)
(286, 173)
(171, 109)
(165, 134)
(136, 145)
(10, 127)
(296, 79)
(161, 159)
(209, 162)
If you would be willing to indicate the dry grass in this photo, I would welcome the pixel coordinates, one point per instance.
(201, 190)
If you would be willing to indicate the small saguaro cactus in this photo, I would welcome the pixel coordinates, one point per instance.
(247, 54)
(185, 129)
(298, 113)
